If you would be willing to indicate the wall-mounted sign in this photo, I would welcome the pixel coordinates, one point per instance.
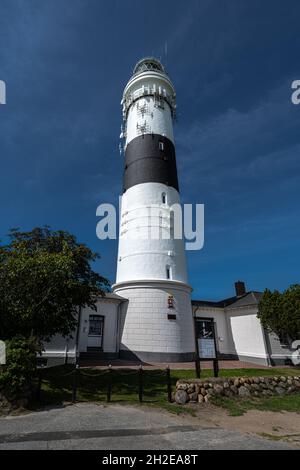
(170, 301)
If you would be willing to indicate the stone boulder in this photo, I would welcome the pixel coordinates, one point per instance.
(279, 390)
(181, 397)
(244, 392)
(218, 389)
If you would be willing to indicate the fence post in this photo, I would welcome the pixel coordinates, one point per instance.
(216, 368)
(169, 385)
(109, 384)
(141, 383)
(198, 367)
(74, 391)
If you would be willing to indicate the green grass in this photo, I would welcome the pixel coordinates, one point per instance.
(92, 386)
(190, 374)
(239, 406)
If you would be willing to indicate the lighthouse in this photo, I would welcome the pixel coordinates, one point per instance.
(156, 322)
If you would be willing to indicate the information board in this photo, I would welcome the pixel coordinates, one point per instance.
(205, 338)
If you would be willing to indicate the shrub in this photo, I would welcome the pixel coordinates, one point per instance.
(16, 377)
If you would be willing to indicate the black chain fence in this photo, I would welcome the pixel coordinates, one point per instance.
(69, 383)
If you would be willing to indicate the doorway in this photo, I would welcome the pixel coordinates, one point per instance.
(96, 329)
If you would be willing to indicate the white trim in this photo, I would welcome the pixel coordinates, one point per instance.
(58, 353)
(198, 308)
(241, 307)
(150, 283)
(279, 356)
(147, 75)
(250, 354)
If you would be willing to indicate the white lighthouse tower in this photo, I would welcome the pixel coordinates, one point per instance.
(156, 322)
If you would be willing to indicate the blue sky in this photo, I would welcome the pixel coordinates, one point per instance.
(65, 63)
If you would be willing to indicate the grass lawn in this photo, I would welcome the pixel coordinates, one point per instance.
(92, 386)
(239, 406)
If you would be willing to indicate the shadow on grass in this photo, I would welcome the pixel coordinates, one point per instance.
(92, 385)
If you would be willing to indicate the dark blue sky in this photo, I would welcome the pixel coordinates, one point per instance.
(232, 62)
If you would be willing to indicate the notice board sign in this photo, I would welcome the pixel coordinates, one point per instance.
(205, 337)
(206, 348)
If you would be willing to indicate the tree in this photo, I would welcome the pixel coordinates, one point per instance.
(45, 276)
(280, 312)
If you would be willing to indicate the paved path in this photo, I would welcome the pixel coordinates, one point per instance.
(92, 426)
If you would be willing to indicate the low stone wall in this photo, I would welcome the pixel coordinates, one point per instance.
(202, 390)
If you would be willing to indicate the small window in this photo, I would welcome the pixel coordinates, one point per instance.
(96, 323)
(171, 316)
(168, 272)
(161, 145)
(172, 224)
(164, 198)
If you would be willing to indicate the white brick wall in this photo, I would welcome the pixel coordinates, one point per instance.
(144, 320)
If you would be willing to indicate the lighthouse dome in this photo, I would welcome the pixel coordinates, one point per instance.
(148, 63)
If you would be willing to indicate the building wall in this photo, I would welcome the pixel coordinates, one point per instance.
(146, 332)
(246, 335)
(224, 344)
(141, 256)
(109, 310)
(60, 350)
(151, 118)
(280, 353)
(241, 331)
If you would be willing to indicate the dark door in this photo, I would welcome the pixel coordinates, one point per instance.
(96, 329)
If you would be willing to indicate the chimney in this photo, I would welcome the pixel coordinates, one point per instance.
(240, 288)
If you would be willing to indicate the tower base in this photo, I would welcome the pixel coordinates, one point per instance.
(153, 329)
(162, 357)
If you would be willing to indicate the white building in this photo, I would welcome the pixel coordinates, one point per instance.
(239, 334)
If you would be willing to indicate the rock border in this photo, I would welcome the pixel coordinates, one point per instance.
(203, 390)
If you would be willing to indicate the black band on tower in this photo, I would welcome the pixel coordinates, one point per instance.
(150, 158)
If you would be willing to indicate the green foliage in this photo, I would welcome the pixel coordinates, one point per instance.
(45, 276)
(16, 376)
(280, 312)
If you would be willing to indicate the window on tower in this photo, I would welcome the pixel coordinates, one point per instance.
(172, 224)
(164, 198)
(168, 272)
(161, 145)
